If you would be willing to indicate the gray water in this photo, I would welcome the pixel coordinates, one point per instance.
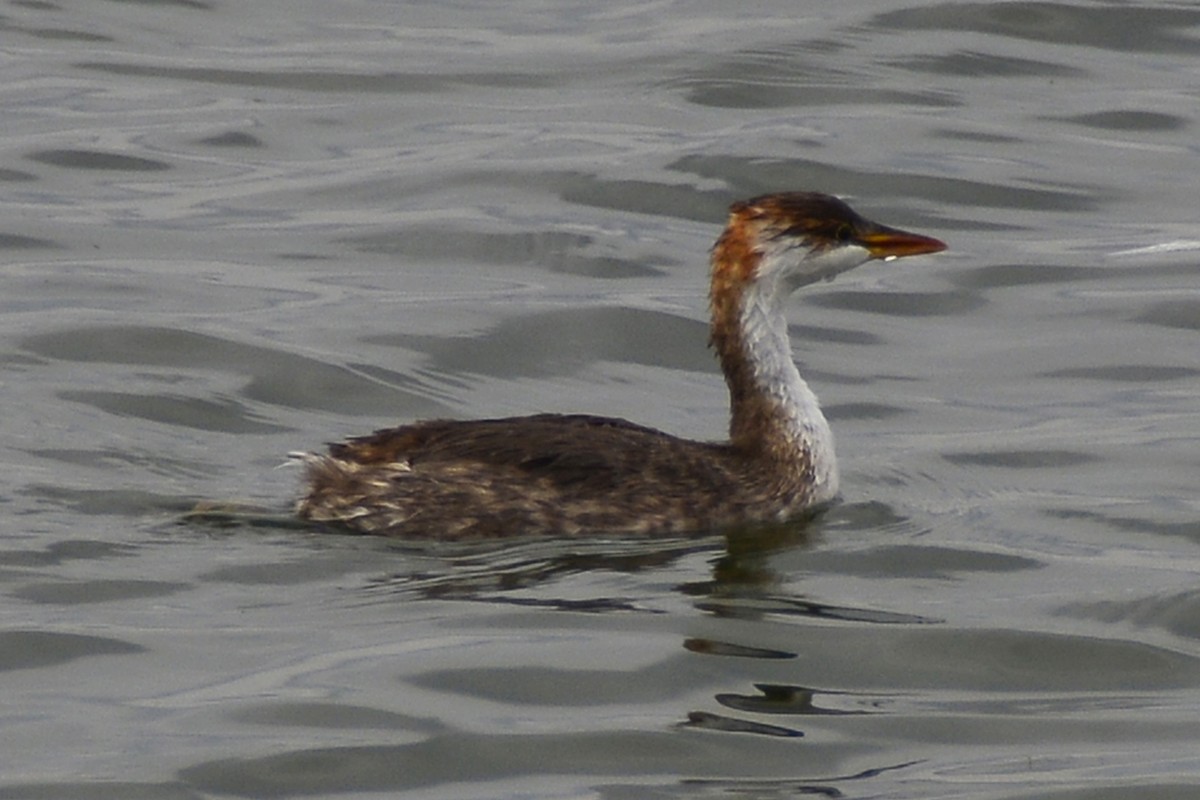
(234, 230)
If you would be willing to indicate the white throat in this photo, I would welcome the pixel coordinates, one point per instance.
(769, 351)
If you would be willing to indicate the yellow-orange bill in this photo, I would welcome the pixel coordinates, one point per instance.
(889, 243)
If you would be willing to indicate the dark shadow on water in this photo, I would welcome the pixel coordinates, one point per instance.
(813, 787)
(794, 700)
(484, 571)
(773, 605)
(232, 516)
(743, 582)
(718, 722)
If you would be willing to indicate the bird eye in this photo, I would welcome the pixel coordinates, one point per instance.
(844, 233)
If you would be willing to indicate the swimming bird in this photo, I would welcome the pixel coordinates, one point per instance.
(578, 474)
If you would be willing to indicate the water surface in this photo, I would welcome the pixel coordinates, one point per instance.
(234, 231)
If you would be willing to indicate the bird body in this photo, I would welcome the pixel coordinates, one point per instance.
(572, 474)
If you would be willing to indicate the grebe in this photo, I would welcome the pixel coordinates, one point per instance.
(577, 474)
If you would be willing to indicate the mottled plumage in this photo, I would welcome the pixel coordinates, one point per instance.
(566, 474)
(576, 474)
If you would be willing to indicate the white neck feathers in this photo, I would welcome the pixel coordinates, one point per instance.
(769, 353)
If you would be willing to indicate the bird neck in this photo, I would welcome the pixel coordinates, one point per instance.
(774, 416)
